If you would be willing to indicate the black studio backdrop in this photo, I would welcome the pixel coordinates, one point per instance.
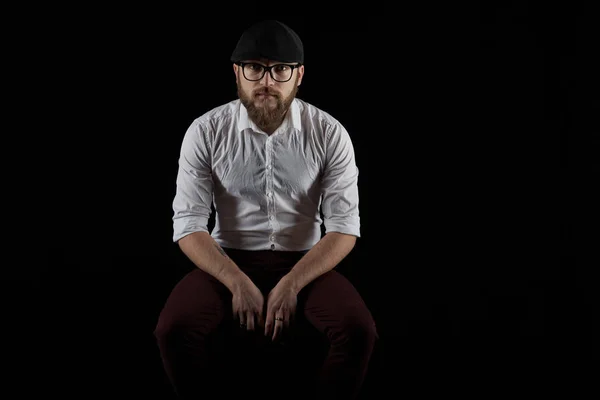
(460, 123)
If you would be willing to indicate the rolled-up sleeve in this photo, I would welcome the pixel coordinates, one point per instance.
(194, 185)
(340, 184)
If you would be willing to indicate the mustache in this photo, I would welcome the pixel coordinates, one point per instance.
(266, 91)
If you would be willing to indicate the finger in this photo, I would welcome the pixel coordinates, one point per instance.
(250, 321)
(260, 319)
(240, 317)
(268, 323)
(268, 319)
(277, 328)
(286, 322)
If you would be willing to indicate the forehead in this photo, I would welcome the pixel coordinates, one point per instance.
(267, 62)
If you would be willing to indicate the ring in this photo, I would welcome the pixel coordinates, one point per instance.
(278, 319)
(242, 324)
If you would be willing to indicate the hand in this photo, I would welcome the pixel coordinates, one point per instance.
(281, 308)
(247, 304)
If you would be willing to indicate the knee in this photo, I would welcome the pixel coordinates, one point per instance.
(360, 331)
(170, 331)
(165, 331)
(178, 331)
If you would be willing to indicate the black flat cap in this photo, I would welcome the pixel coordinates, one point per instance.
(269, 39)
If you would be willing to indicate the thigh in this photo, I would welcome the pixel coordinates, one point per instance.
(332, 305)
(198, 302)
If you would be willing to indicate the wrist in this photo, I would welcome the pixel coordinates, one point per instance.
(234, 279)
(291, 282)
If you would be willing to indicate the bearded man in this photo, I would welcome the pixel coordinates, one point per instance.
(270, 164)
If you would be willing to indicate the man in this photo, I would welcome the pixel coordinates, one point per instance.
(268, 162)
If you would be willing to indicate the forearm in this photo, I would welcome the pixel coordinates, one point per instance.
(207, 255)
(323, 257)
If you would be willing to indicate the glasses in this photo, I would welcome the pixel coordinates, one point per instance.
(279, 72)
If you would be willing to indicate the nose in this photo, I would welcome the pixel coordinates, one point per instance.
(267, 80)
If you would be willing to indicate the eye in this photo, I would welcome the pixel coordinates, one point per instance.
(281, 68)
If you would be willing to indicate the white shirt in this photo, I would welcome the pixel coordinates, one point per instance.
(267, 191)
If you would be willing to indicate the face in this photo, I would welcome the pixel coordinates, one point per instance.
(267, 100)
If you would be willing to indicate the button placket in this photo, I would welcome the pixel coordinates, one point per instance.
(269, 190)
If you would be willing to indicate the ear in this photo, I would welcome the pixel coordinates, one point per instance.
(300, 74)
(235, 72)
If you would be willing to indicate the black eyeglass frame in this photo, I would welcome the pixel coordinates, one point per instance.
(265, 69)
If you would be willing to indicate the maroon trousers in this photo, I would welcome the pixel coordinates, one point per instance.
(200, 304)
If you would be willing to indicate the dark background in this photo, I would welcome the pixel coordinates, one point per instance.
(471, 130)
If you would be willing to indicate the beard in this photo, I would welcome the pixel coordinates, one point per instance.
(266, 112)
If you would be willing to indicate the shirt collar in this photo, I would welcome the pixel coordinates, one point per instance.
(292, 118)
